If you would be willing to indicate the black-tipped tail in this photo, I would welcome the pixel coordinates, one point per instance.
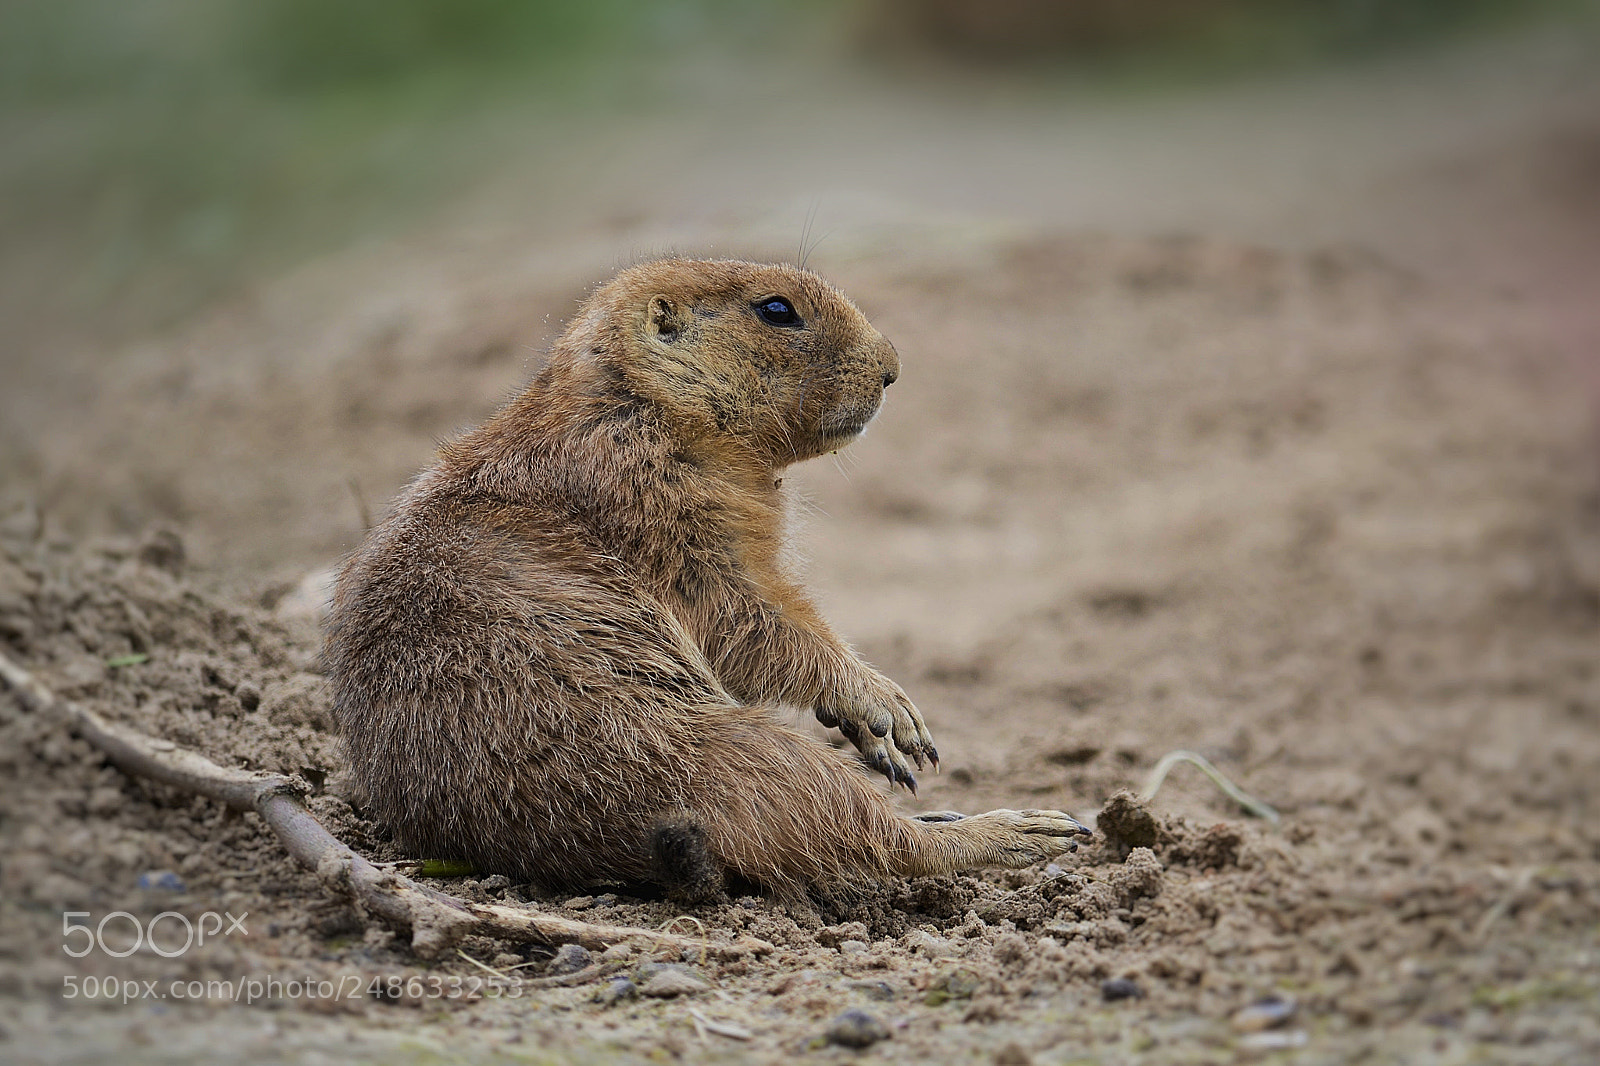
(682, 862)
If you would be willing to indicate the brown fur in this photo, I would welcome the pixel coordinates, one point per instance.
(556, 658)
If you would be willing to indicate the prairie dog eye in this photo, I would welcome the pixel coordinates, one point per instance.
(776, 311)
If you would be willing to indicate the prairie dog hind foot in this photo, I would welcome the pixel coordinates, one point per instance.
(1002, 838)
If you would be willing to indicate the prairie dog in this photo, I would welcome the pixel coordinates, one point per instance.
(557, 657)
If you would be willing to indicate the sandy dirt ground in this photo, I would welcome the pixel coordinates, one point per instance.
(1325, 511)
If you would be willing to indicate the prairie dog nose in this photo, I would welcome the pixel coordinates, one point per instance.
(891, 364)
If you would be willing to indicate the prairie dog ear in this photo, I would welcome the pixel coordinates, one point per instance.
(664, 319)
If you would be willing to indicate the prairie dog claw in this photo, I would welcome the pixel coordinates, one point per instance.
(885, 726)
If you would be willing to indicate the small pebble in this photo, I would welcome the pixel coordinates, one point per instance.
(879, 990)
(834, 934)
(570, 958)
(669, 983)
(617, 952)
(1120, 988)
(1268, 1013)
(648, 969)
(853, 947)
(1012, 1055)
(856, 1029)
(921, 942)
(615, 991)
(961, 984)
(105, 800)
(161, 881)
(957, 984)
(1276, 1040)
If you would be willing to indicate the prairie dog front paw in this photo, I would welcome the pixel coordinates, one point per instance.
(877, 716)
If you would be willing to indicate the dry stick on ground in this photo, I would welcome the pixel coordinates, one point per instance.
(436, 920)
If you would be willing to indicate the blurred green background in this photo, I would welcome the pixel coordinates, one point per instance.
(156, 154)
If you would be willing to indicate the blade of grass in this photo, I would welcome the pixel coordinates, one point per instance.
(1158, 775)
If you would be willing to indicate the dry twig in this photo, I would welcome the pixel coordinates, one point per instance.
(436, 920)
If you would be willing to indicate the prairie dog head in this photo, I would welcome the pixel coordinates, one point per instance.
(773, 355)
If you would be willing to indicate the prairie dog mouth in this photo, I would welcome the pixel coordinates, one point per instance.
(845, 430)
(847, 426)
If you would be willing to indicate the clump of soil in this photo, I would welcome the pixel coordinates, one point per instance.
(1125, 823)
